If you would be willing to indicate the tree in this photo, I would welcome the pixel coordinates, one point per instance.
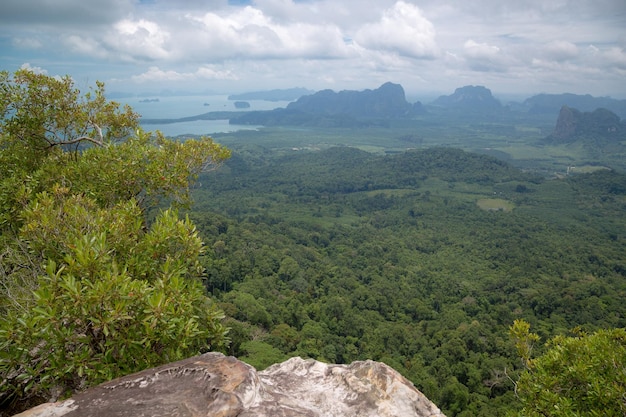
(91, 289)
(583, 375)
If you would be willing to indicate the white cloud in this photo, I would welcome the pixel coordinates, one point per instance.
(249, 32)
(477, 50)
(483, 57)
(140, 39)
(559, 50)
(35, 69)
(211, 73)
(401, 29)
(206, 72)
(616, 56)
(155, 74)
(348, 43)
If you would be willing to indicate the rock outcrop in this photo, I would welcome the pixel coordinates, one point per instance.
(215, 385)
(600, 124)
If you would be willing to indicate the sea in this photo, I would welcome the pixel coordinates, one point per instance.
(175, 107)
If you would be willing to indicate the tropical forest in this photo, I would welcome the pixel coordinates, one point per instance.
(478, 249)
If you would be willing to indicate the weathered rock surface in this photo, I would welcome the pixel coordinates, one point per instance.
(219, 386)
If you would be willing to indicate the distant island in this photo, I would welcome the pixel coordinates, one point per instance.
(242, 105)
(289, 94)
(149, 100)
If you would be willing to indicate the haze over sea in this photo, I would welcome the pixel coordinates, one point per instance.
(175, 107)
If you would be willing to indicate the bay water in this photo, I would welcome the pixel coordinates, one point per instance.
(176, 107)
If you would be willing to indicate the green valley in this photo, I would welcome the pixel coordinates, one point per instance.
(342, 245)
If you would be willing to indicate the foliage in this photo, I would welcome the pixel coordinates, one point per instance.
(92, 289)
(524, 341)
(344, 255)
(584, 375)
(43, 112)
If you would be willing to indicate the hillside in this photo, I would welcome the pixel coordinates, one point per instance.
(420, 260)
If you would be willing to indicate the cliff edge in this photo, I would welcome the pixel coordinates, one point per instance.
(216, 385)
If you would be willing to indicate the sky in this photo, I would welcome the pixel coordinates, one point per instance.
(430, 47)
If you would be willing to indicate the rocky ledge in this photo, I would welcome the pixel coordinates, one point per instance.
(216, 385)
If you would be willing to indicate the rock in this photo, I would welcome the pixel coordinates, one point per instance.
(219, 386)
(598, 125)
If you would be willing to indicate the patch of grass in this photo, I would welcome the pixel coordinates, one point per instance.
(495, 204)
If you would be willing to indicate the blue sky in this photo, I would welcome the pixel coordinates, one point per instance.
(521, 47)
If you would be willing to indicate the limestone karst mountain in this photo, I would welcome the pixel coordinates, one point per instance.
(598, 125)
(346, 108)
(215, 385)
(470, 98)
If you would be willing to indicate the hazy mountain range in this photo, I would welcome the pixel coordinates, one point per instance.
(350, 108)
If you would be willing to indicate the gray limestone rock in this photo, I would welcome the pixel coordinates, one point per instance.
(219, 386)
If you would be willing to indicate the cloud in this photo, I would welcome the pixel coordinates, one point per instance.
(139, 39)
(156, 74)
(63, 12)
(35, 69)
(127, 41)
(26, 43)
(249, 33)
(483, 57)
(206, 72)
(559, 50)
(38, 70)
(616, 57)
(85, 46)
(228, 44)
(209, 72)
(402, 29)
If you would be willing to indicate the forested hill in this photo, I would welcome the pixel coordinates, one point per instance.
(421, 260)
(347, 169)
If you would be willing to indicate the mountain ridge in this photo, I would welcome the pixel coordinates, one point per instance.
(347, 108)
